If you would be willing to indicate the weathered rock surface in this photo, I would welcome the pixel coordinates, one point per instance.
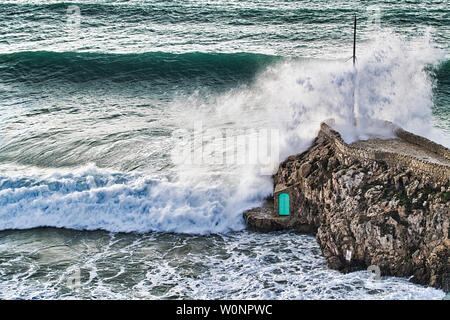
(385, 201)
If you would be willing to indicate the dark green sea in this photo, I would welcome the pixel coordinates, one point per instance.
(104, 195)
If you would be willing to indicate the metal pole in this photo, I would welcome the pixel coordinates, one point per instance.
(355, 107)
(354, 41)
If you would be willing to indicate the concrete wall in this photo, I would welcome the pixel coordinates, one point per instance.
(424, 143)
(440, 172)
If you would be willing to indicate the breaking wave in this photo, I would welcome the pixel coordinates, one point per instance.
(291, 96)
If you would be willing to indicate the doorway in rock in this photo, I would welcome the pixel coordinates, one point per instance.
(283, 204)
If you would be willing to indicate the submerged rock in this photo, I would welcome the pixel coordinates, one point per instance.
(376, 202)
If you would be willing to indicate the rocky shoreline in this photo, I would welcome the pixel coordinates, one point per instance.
(383, 203)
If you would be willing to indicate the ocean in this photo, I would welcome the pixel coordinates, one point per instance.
(101, 99)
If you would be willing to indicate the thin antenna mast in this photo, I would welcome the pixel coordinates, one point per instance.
(354, 41)
(355, 106)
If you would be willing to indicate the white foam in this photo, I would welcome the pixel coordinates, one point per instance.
(91, 199)
(241, 265)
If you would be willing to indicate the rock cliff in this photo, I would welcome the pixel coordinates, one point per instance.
(376, 202)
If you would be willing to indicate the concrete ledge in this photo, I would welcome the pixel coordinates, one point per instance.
(424, 143)
(439, 171)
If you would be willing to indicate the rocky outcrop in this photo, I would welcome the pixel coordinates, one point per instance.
(376, 202)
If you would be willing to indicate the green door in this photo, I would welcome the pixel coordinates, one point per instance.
(283, 204)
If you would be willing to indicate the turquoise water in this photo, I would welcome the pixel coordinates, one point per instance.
(97, 97)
